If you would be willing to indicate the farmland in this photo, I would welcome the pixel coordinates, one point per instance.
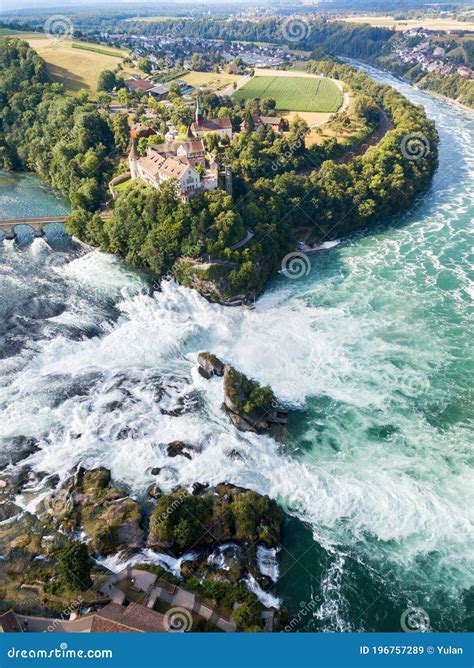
(213, 81)
(75, 64)
(294, 93)
(405, 24)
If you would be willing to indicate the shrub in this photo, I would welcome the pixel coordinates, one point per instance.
(247, 616)
(75, 566)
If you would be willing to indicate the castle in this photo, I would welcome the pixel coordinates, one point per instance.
(186, 161)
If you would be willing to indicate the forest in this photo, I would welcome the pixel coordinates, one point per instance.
(76, 148)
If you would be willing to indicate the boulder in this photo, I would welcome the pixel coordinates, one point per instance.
(224, 514)
(199, 487)
(110, 518)
(176, 448)
(210, 365)
(250, 406)
(154, 491)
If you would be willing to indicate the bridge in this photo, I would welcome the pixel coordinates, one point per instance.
(37, 224)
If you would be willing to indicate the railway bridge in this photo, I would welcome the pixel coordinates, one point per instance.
(37, 224)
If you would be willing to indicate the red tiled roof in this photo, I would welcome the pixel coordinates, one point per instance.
(212, 125)
(271, 120)
(100, 625)
(9, 623)
(173, 168)
(139, 83)
(134, 616)
(195, 146)
(141, 130)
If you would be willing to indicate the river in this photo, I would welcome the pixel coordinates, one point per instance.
(372, 350)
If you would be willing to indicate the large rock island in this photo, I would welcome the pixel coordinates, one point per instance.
(249, 406)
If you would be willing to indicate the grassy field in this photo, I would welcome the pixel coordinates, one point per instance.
(294, 93)
(213, 81)
(430, 24)
(73, 63)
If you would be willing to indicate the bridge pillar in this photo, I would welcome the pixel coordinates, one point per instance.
(9, 233)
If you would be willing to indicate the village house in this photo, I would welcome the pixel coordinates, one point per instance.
(133, 618)
(276, 123)
(160, 91)
(193, 152)
(202, 126)
(138, 84)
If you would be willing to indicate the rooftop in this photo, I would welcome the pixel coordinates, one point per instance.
(212, 124)
(195, 146)
(9, 623)
(139, 83)
(134, 617)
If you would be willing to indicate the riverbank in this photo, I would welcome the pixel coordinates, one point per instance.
(154, 229)
(100, 368)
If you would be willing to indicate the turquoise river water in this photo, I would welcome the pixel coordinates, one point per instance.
(372, 349)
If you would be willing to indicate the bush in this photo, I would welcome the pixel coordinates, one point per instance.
(75, 566)
(180, 519)
(247, 616)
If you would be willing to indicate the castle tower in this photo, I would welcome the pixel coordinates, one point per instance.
(133, 158)
(198, 115)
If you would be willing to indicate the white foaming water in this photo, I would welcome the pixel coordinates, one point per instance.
(267, 559)
(370, 348)
(117, 563)
(156, 343)
(265, 598)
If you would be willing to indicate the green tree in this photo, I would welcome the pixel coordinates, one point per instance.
(104, 100)
(107, 81)
(175, 89)
(247, 616)
(121, 131)
(123, 96)
(75, 566)
(144, 64)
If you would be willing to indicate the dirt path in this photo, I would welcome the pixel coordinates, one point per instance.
(228, 90)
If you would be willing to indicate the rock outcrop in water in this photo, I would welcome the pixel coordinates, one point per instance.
(210, 365)
(108, 517)
(249, 406)
(227, 513)
(225, 527)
